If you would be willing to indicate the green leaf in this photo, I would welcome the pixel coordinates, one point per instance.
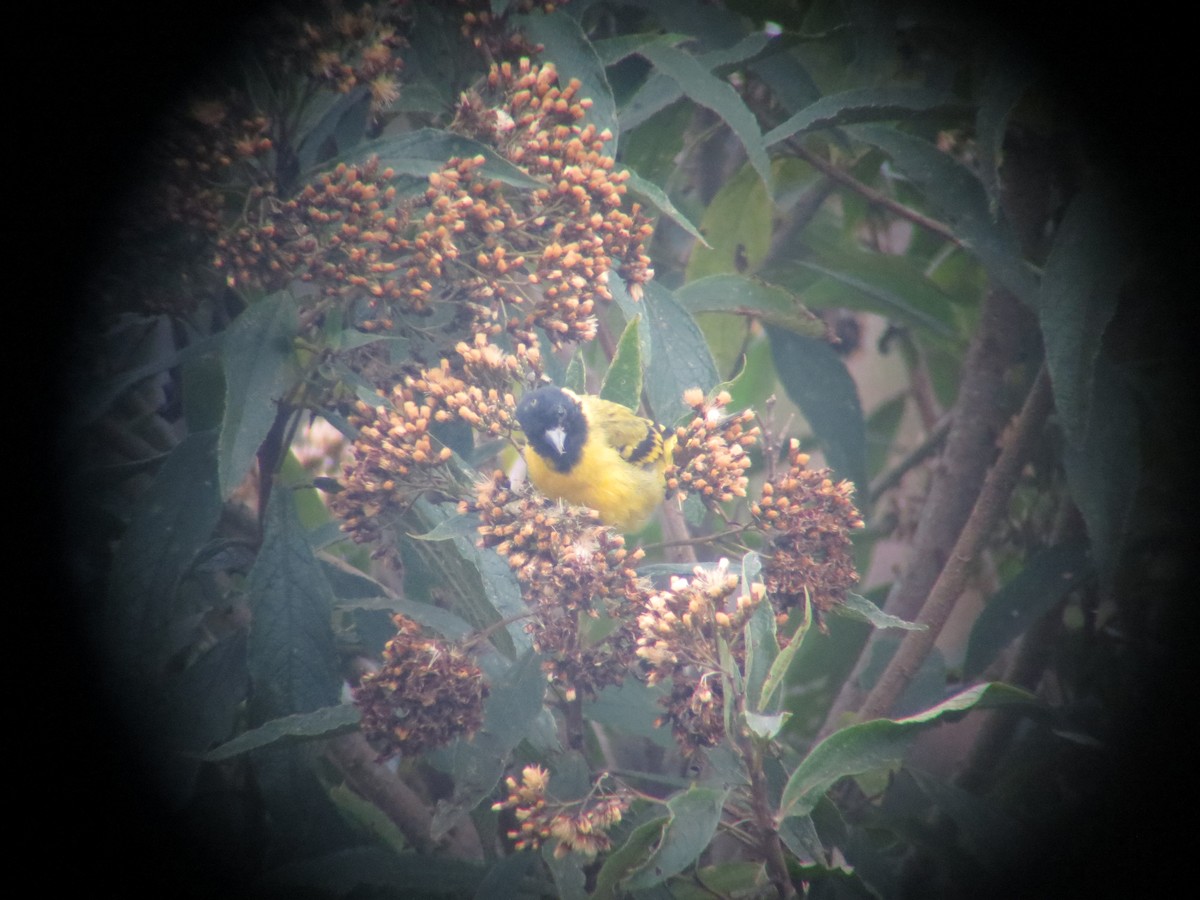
(338, 129)
(169, 524)
(695, 814)
(799, 835)
(1103, 469)
(743, 296)
(623, 380)
(816, 380)
(631, 707)
(573, 55)
(860, 609)
(479, 584)
(871, 104)
(259, 363)
(878, 744)
(291, 656)
(324, 722)
(420, 153)
(680, 358)
(1046, 579)
(761, 641)
(880, 283)
(575, 378)
(962, 202)
(783, 662)
(650, 191)
(627, 857)
(713, 93)
(737, 225)
(1004, 84)
(513, 703)
(1080, 286)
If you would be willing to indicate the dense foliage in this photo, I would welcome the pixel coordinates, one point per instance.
(909, 583)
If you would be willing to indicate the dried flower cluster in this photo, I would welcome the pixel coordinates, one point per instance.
(578, 825)
(809, 519)
(710, 456)
(353, 48)
(500, 259)
(681, 629)
(395, 455)
(426, 694)
(576, 575)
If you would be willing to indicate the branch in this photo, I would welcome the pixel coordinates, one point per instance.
(873, 196)
(354, 757)
(977, 419)
(991, 505)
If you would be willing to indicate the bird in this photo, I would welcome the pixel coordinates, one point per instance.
(595, 453)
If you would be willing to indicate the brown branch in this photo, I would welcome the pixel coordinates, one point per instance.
(976, 421)
(991, 505)
(401, 804)
(873, 196)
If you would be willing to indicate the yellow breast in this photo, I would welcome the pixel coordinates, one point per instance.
(625, 495)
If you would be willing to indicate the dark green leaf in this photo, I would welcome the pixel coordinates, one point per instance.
(799, 835)
(1079, 291)
(324, 722)
(170, 522)
(744, 296)
(427, 150)
(291, 655)
(631, 707)
(648, 190)
(771, 696)
(1004, 84)
(884, 284)
(727, 879)
(962, 202)
(680, 358)
(1103, 468)
(711, 92)
(478, 582)
(871, 104)
(1046, 579)
(878, 744)
(737, 225)
(260, 368)
(512, 705)
(693, 822)
(816, 380)
(337, 131)
(626, 858)
(623, 380)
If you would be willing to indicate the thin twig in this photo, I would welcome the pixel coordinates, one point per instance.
(873, 196)
(889, 479)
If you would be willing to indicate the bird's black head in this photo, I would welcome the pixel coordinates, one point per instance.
(554, 425)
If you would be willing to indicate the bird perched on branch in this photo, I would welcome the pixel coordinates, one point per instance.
(595, 453)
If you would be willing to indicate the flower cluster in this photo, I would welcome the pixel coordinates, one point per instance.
(518, 260)
(681, 629)
(809, 519)
(710, 456)
(578, 825)
(352, 49)
(426, 694)
(395, 454)
(576, 575)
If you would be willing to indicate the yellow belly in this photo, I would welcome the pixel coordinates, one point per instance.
(624, 495)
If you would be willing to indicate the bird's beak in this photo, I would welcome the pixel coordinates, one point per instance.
(558, 437)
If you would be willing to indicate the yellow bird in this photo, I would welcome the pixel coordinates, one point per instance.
(595, 453)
